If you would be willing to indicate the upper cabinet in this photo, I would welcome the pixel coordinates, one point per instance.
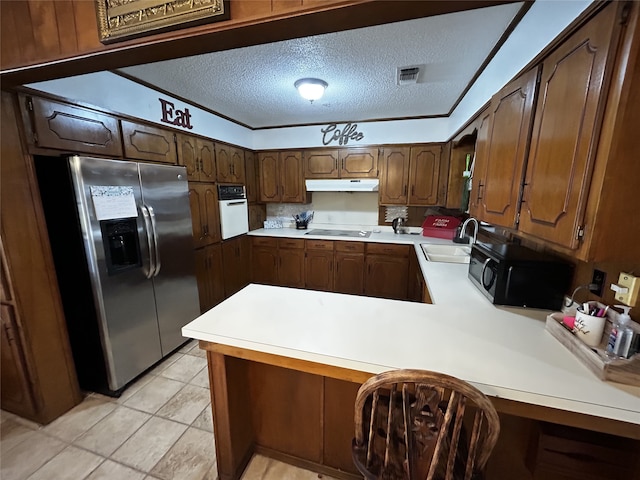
(230, 164)
(280, 177)
(144, 142)
(565, 132)
(501, 152)
(341, 163)
(198, 156)
(251, 174)
(411, 175)
(72, 129)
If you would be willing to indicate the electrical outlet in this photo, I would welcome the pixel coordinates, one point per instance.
(598, 279)
(632, 284)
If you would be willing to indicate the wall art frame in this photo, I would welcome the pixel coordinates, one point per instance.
(120, 20)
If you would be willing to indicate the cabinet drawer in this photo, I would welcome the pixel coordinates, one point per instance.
(319, 244)
(290, 243)
(388, 249)
(265, 242)
(351, 247)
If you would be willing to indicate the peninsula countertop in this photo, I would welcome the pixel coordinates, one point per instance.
(505, 352)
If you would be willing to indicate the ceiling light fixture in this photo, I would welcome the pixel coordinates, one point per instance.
(311, 88)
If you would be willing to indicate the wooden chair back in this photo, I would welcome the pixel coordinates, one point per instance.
(422, 425)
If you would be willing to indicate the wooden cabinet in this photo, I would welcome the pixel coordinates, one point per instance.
(72, 129)
(319, 264)
(229, 164)
(291, 262)
(501, 153)
(565, 132)
(341, 163)
(236, 255)
(410, 175)
(209, 275)
(417, 287)
(251, 174)
(387, 271)
(197, 155)
(264, 260)
(349, 268)
(205, 213)
(280, 175)
(145, 142)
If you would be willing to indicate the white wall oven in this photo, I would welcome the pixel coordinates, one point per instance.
(234, 212)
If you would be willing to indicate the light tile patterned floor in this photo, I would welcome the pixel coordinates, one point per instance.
(160, 428)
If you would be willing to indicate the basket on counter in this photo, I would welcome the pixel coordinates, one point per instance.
(621, 370)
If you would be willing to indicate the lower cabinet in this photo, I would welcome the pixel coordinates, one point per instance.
(318, 263)
(291, 262)
(417, 287)
(386, 273)
(264, 260)
(235, 264)
(349, 271)
(210, 276)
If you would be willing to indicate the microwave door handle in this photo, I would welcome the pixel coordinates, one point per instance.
(156, 251)
(148, 230)
(506, 291)
(484, 269)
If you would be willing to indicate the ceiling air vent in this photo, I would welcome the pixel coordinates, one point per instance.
(407, 75)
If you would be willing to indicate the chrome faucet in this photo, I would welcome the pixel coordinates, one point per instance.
(463, 230)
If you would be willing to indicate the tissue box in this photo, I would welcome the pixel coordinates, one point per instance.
(440, 226)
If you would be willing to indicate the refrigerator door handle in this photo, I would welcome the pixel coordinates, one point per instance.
(149, 231)
(156, 251)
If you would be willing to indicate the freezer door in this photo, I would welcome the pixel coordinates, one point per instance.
(165, 194)
(118, 258)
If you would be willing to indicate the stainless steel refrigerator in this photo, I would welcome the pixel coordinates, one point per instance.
(121, 236)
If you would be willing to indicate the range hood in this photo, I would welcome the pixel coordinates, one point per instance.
(343, 185)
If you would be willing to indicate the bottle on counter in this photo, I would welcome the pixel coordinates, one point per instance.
(621, 336)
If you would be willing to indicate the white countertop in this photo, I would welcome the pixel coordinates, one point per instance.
(503, 351)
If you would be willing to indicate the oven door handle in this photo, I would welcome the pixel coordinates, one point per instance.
(242, 202)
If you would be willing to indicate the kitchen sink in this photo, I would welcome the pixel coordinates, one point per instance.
(447, 253)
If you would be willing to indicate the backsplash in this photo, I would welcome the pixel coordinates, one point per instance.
(331, 208)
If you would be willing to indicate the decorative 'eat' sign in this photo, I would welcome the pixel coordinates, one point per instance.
(331, 133)
(182, 117)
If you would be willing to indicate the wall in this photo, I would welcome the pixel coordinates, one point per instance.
(544, 21)
(333, 209)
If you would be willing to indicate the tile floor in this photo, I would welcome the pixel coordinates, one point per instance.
(160, 428)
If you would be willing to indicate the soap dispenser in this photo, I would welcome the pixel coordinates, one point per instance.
(621, 335)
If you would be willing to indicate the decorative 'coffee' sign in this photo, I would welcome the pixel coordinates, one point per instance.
(182, 117)
(332, 133)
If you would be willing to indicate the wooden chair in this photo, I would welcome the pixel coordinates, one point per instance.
(414, 424)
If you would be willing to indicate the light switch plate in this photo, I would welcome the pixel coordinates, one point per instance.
(632, 284)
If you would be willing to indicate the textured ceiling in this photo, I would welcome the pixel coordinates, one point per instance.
(254, 85)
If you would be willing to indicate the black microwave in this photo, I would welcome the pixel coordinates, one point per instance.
(515, 275)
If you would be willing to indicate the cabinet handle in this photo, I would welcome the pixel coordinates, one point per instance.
(205, 230)
(413, 189)
(405, 190)
(479, 197)
(335, 164)
(7, 332)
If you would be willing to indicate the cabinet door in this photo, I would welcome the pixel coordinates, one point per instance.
(480, 165)
(209, 276)
(349, 273)
(235, 264)
(205, 216)
(291, 182)
(224, 163)
(206, 160)
(394, 176)
(359, 163)
(74, 129)
(424, 175)
(321, 164)
(416, 285)
(251, 180)
(318, 267)
(503, 169)
(15, 388)
(269, 177)
(565, 133)
(264, 265)
(291, 267)
(144, 142)
(237, 166)
(188, 156)
(386, 277)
